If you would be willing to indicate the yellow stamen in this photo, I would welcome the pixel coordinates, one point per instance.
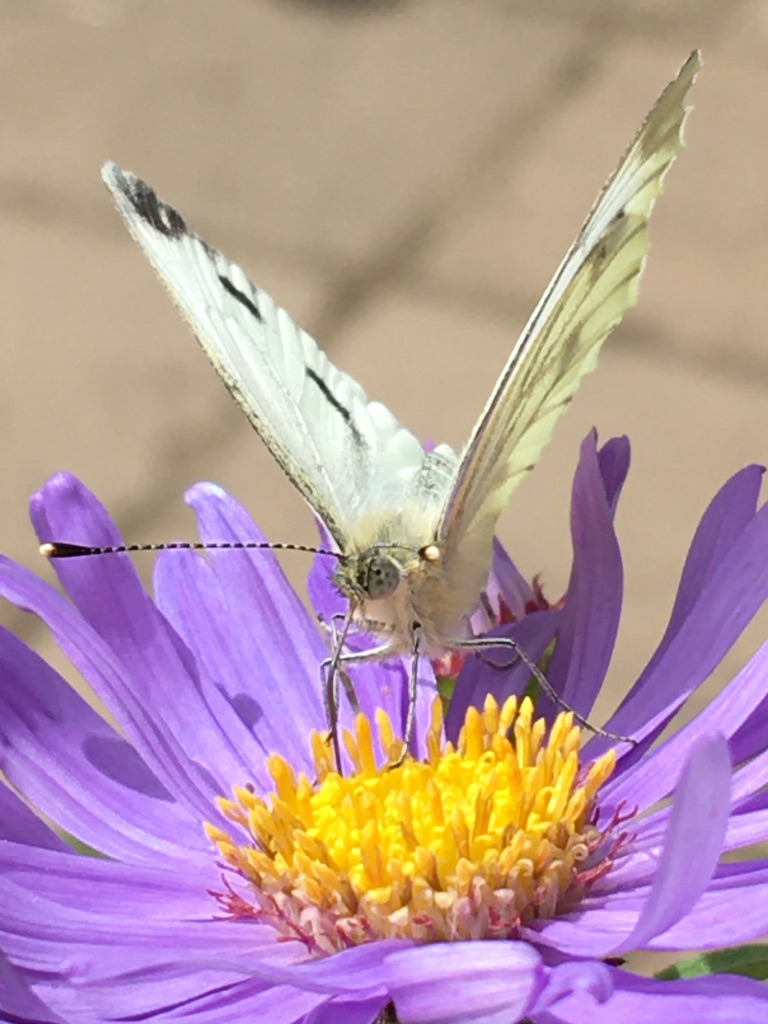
(473, 842)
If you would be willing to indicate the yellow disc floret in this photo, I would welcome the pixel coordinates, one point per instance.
(471, 843)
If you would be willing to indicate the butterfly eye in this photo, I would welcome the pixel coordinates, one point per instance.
(380, 576)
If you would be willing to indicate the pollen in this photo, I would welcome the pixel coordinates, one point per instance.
(476, 841)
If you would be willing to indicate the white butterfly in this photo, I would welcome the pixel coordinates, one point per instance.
(414, 529)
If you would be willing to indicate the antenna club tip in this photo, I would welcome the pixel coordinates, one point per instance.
(61, 549)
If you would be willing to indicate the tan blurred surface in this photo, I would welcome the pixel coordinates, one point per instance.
(404, 178)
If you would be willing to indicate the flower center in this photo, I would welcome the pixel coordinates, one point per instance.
(472, 843)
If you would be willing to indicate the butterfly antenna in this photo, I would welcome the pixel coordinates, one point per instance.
(63, 549)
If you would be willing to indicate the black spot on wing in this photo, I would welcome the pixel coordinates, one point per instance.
(241, 297)
(333, 401)
(154, 211)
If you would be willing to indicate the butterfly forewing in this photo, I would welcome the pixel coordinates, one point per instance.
(317, 421)
(593, 287)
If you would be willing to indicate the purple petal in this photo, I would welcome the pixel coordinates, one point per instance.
(732, 910)
(162, 676)
(107, 591)
(498, 673)
(588, 977)
(649, 891)
(509, 583)
(72, 765)
(586, 627)
(19, 824)
(65, 510)
(742, 703)
(448, 983)
(207, 996)
(150, 949)
(614, 459)
(726, 516)
(254, 582)
(19, 1003)
(749, 778)
(714, 999)
(324, 597)
(726, 603)
(106, 889)
(692, 844)
(276, 645)
(356, 971)
(358, 1011)
(593, 606)
(749, 740)
(746, 829)
(235, 1003)
(385, 685)
(747, 800)
(147, 732)
(593, 931)
(243, 696)
(292, 648)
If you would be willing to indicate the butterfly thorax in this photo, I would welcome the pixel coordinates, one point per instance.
(400, 575)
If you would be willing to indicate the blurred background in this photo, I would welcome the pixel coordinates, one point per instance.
(404, 178)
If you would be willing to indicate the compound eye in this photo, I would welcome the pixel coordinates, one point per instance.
(382, 577)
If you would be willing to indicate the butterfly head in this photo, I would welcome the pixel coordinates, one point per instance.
(383, 583)
(377, 572)
(371, 575)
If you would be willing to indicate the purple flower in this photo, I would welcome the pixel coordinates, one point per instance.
(205, 900)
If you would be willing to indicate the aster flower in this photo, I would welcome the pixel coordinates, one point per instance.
(499, 875)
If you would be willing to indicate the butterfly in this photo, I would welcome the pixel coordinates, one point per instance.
(413, 529)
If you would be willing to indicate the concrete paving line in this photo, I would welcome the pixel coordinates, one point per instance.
(639, 334)
(40, 204)
(509, 140)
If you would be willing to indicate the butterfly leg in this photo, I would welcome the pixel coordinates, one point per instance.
(335, 676)
(337, 638)
(333, 673)
(477, 644)
(335, 665)
(413, 679)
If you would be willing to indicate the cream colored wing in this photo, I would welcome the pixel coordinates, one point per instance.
(332, 442)
(593, 287)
